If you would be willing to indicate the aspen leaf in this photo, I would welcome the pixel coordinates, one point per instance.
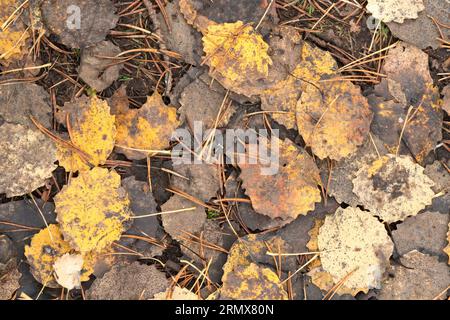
(395, 10)
(44, 250)
(14, 38)
(79, 23)
(393, 188)
(333, 119)
(26, 159)
(313, 244)
(147, 128)
(447, 248)
(92, 130)
(354, 246)
(418, 277)
(290, 192)
(325, 282)
(176, 293)
(68, 270)
(252, 282)
(92, 210)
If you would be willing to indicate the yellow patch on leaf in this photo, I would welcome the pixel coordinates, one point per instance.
(43, 252)
(147, 128)
(313, 244)
(324, 280)
(252, 282)
(92, 130)
(92, 210)
(14, 38)
(236, 52)
(333, 118)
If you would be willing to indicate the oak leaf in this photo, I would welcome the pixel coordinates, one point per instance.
(92, 210)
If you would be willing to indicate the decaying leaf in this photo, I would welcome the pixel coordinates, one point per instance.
(395, 10)
(180, 224)
(339, 177)
(68, 270)
(92, 130)
(252, 282)
(20, 101)
(425, 232)
(290, 192)
(423, 32)
(447, 248)
(92, 210)
(446, 100)
(315, 65)
(409, 106)
(418, 277)
(181, 37)
(14, 38)
(45, 248)
(325, 282)
(176, 293)
(393, 188)
(26, 159)
(147, 128)
(313, 244)
(199, 180)
(79, 23)
(200, 103)
(354, 247)
(9, 283)
(441, 178)
(334, 119)
(97, 67)
(136, 282)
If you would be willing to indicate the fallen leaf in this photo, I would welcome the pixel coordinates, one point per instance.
(447, 249)
(290, 192)
(20, 101)
(180, 224)
(147, 128)
(423, 32)
(136, 282)
(176, 293)
(92, 210)
(45, 248)
(13, 39)
(9, 283)
(252, 282)
(201, 104)
(354, 246)
(26, 161)
(418, 277)
(198, 180)
(425, 232)
(446, 101)
(395, 10)
(92, 130)
(333, 119)
(79, 23)
(339, 180)
(97, 68)
(393, 188)
(441, 178)
(313, 244)
(325, 282)
(68, 270)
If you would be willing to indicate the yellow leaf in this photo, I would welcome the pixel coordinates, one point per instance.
(92, 130)
(333, 118)
(313, 244)
(252, 282)
(92, 210)
(14, 38)
(147, 128)
(45, 248)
